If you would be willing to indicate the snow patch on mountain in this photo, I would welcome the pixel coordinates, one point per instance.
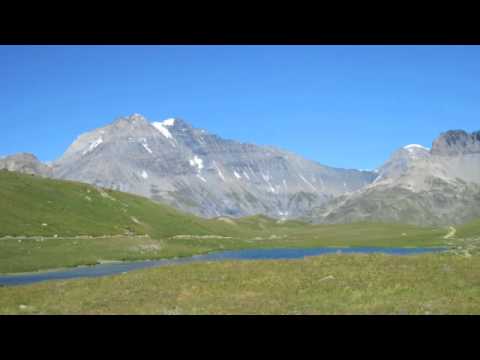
(160, 126)
(218, 171)
(412, 147)
(168, 122)
(196, 162)
(307, 182)
(145, 145)
(201, 178)
(93, 145)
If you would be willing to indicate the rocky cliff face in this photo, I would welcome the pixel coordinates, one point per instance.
(456, 142)
(401, 161)
(26, 163)
(193, 170)
(417, 185)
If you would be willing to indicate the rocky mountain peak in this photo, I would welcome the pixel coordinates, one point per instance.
(456, 142)
(412, 152)
(133, 120)
(418, 186)
(177, 124)
(136, 117)
(23, 156)
(412, 148)
(193, 170)
(401, 161)
(25, 162)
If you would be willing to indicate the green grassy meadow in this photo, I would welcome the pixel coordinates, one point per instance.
(48, 224)
(328, 284)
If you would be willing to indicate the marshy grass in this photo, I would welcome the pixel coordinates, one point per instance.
(328, 284)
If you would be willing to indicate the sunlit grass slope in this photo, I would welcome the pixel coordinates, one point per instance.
(129, 227)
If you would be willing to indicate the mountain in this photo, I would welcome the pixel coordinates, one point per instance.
(199, 172)
(417, 185)
(457, 142)
(26, 163)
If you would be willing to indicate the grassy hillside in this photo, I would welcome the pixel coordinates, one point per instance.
(113, 226)
(32, 206)
(469, 230)
(329, 284)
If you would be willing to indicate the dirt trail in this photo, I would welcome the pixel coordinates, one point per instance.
(49, 237)
(451, 232)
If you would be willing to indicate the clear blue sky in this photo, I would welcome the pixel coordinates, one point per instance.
(344, 106)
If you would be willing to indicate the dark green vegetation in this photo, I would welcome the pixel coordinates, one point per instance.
(328, 284)
(53, 223)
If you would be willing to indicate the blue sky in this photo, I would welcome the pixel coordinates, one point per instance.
(343, 106)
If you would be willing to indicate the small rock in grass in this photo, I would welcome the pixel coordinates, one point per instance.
(329, 277)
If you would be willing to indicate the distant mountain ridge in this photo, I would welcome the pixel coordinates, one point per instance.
(418, 186)
(456, 142)
(25, 163)
(172, 162)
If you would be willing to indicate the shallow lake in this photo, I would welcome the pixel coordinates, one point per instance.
(246, 254)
